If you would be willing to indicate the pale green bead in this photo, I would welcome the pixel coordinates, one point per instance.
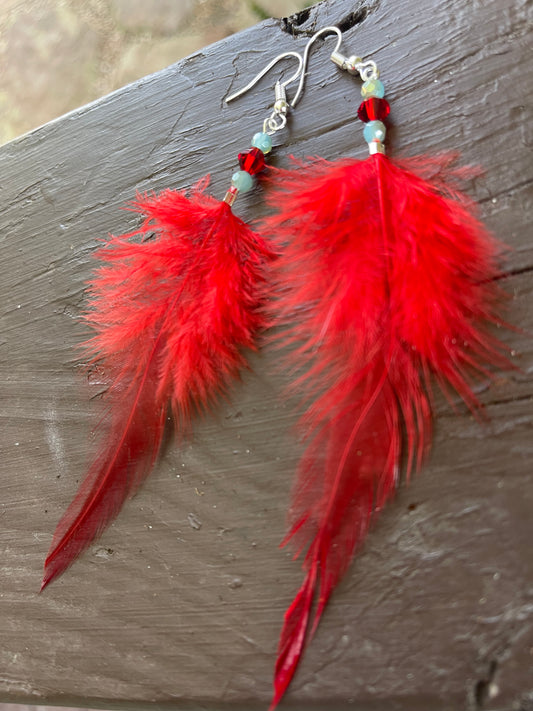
(242, 180)
(263, 142)
(373, 87)
(374, 131)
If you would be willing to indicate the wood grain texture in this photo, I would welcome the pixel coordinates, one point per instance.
(180, 603)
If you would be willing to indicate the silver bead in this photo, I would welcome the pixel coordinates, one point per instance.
(376, 147)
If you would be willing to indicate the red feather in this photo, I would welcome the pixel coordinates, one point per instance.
(171, 316)
(388, 279)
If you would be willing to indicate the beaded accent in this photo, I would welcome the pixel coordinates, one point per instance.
(372, 112)
(251, 162)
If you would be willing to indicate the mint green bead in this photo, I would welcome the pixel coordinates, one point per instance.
(242, 180)
(373, 87)
(374, 131)
(263, 142)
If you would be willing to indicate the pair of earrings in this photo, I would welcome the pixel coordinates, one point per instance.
(386, 281)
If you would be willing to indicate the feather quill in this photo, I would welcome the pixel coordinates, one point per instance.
(171, 315)
(388, 280)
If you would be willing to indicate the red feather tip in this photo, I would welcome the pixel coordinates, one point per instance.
(387, 279)
(171, 314)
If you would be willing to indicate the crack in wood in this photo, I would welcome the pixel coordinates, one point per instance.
(509, 401)
(484, 687)
(516, 271)
(506, 193)
(293, 23)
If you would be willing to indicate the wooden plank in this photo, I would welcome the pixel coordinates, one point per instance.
(180, 602)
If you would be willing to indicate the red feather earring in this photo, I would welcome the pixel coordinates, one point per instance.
(387, 280)
(171, 314)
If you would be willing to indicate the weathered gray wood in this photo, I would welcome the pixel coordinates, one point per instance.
(437, 611)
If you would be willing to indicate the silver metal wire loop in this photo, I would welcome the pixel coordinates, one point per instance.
(354, 65)
(264, 71)
(278, 118)
(329, 30)
(275, 122)
(368, 70)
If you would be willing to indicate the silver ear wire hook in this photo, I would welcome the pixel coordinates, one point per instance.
(278, 118)
(307, 49)
(266, 69)
(353, 65)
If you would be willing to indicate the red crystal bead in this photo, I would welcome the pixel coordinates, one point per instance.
(373, 109)
(253, 161)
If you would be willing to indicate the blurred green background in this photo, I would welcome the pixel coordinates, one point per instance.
(56, 55)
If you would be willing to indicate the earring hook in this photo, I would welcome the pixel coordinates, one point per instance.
(354, 65)
(330, 29)
(281, 85)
